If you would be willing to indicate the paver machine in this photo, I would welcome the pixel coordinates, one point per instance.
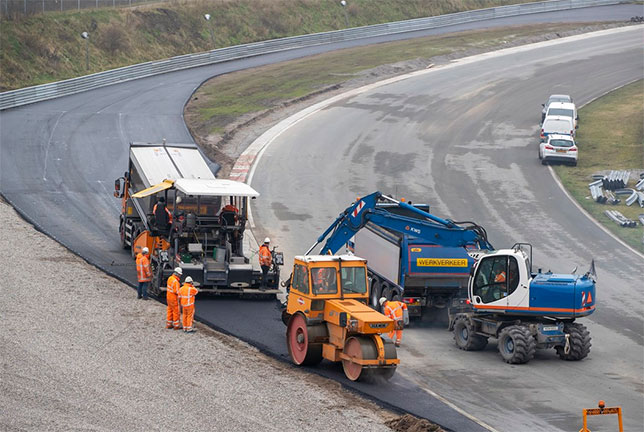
(203, 232)
(327, 317)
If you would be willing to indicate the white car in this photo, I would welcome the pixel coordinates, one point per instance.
(559, 148)
(551, 99)
(565, 109)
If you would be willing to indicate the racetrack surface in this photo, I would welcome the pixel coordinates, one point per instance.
(464, 139)
(58, 160)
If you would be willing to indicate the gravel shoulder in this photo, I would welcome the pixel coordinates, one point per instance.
(80, 352)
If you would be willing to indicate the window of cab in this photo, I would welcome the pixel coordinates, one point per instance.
(323, 280)
(354, 280)
(300, 281)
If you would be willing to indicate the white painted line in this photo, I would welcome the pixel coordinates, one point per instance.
(448, 403)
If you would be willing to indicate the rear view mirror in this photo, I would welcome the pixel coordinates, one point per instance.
(118, 187)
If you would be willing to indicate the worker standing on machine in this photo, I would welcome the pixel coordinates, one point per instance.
(172, 293)
(143, 273)
(162, 216)
(265, 261)
(187, 295)
(395, 310)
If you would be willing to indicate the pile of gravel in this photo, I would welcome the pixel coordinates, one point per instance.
(78, 351)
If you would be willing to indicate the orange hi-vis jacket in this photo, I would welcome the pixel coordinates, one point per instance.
(173, 288)
(500, 277)
(187, 295)
(394, 310)
(265, 258)
(143, 271)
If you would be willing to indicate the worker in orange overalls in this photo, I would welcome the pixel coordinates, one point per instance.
(171, 295)
(187, 295)
(265, 261)
(143, 273)
(500, 277)
(394, 310)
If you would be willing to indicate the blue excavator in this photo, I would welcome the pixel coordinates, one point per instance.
(415, 256)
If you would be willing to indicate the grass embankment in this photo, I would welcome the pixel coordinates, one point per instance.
(610, 137)
(224, 99)
(48, 47)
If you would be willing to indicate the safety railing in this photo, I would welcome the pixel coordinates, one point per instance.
(28, 95)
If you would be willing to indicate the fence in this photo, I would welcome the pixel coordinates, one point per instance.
(30, 7)
(15, 98)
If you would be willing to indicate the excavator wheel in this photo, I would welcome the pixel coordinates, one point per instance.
(579, 342)
(516, 344)
(465, 336)
(300, 341)
(364, 348)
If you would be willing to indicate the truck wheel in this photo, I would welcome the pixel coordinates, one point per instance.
(465, 336)
(299, 339)
(516, 345)
(387, 291)
(375, 293)
(122, 229)
(579, 339)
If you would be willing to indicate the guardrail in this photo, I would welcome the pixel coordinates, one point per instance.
(28, 95)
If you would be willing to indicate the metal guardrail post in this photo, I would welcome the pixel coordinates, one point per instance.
(28, 95)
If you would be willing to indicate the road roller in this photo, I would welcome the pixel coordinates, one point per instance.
(327, 317)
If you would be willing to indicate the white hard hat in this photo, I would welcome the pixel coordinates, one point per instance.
(145, 250)
(267, 240)
(382, 300)
(188, 280)
(178, 270)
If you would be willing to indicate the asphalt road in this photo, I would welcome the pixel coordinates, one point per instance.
(58, 160)
(464, 139)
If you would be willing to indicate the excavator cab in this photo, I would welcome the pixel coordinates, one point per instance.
(328, 318)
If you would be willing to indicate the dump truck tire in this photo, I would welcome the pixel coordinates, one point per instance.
(579, 339)
(465, 336)
(516, 345)
(301, 341)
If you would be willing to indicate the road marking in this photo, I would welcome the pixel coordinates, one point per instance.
(448, 403)
(51, 135)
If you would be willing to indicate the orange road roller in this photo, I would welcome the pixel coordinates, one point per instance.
(327, 317)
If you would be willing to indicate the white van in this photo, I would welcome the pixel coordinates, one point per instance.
(566, 109)
(557, 125)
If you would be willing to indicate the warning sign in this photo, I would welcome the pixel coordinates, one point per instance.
(602, 411)
(441, 262)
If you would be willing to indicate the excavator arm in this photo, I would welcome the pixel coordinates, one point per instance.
(443, 232)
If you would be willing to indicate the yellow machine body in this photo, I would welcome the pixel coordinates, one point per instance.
(328, 317)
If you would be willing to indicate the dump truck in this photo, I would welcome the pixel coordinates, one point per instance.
(327, 317)
(204, 230)
(412, 255)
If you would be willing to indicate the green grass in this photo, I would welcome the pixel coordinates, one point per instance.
(610, 137)
(224, 99)
(48, 47)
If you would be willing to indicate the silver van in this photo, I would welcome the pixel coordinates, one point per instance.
(566, 109)
(557, 125)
